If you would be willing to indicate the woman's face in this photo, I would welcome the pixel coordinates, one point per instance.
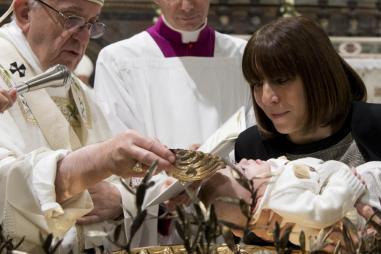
(283, 101)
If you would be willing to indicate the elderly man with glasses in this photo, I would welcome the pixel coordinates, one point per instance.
(55, 143)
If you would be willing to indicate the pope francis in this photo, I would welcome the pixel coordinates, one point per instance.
(46, 160)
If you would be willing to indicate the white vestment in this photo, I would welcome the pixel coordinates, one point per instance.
(28, 156)
(179, 100)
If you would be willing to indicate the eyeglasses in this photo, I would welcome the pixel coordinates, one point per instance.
(72, 22)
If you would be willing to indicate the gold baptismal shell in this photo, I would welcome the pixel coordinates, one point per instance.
(195, 165)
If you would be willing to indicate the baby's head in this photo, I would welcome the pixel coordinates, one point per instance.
(255, 168)
(260, 173)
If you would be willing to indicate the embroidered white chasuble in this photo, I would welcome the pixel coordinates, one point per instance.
(29, 156)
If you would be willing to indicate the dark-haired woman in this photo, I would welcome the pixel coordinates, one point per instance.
(308, 101)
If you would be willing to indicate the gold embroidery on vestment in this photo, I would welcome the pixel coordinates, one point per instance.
(68, 109)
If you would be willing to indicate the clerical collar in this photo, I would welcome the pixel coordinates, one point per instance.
(186, 36)
(198, 43)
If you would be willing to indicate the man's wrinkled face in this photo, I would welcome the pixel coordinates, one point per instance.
(187, 15)
(50, 41)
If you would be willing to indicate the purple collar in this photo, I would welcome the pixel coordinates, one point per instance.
(170, 43)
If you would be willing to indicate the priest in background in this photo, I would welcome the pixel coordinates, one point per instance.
(178, 81)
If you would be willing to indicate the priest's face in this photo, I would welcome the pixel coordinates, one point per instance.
(45, 30)
(187, 15)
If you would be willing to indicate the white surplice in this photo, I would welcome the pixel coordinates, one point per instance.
(179, 100)
(28, 161)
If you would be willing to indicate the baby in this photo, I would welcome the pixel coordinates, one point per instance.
(311, 193)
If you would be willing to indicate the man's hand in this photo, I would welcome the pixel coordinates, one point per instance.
(107, 203)
(128, 148)
(88, 165)
(7, 99)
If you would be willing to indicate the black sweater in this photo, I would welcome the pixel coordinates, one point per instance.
(363, 122)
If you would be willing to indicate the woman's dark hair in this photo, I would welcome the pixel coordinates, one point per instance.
(288, 47)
